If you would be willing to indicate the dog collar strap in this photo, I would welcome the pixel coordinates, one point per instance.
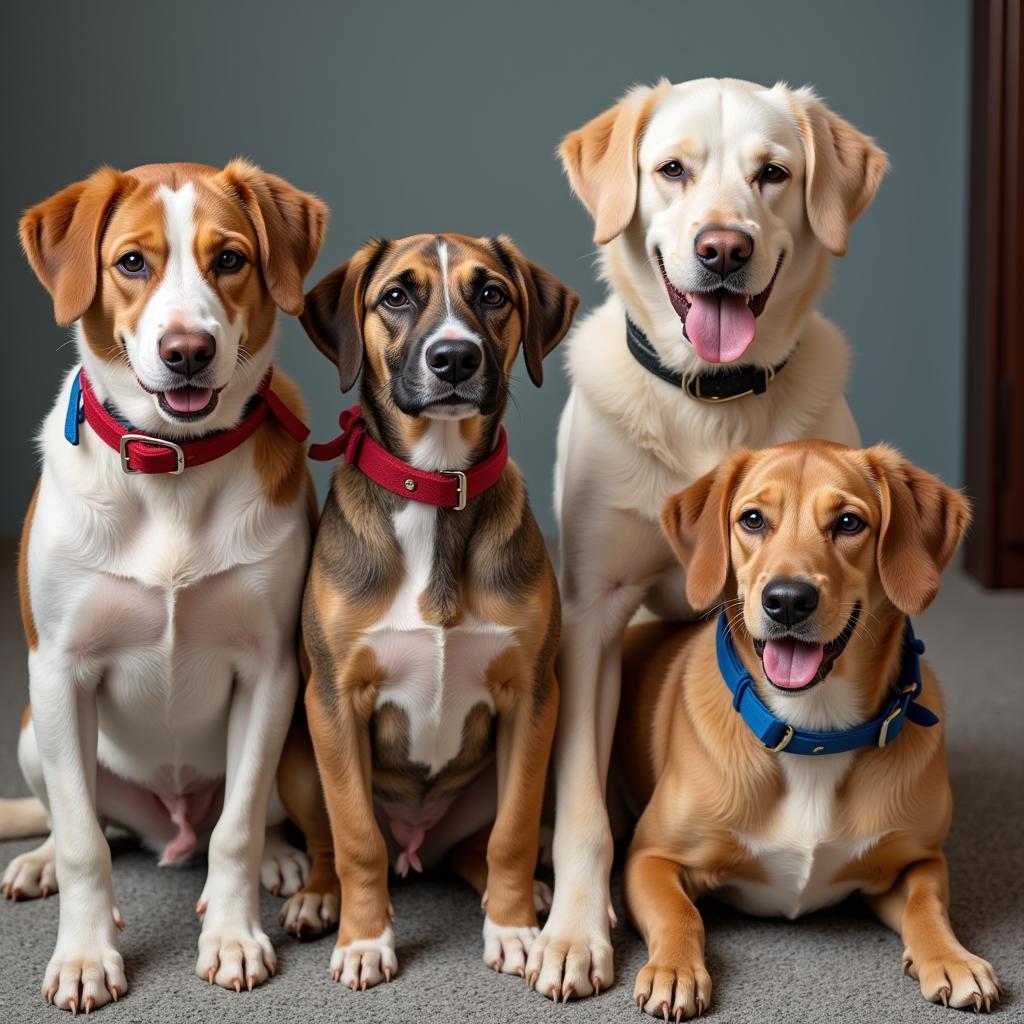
(450, 489)
(144, 453)
(724, 386)
(778, 735)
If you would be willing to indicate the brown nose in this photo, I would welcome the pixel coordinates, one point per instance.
(723, 251)
(185, 353)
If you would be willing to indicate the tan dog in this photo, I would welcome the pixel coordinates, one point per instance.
(822, 550)
(430, 631)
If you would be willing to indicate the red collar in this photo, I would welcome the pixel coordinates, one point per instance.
(144, 453)
(448, 489)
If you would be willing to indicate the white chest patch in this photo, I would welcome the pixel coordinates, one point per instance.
(804, 846)
(436, 675)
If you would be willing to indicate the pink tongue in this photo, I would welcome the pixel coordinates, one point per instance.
(188, 399)
(720, 326)
(790, 663)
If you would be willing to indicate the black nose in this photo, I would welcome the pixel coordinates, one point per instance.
(723, 251)
(788, 600)
(454, 359)
(187, 352)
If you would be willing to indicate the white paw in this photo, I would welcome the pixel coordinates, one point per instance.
(84, 973)
(569, 960)
(506, 947)
(309, 913)
(365, 962)
(31, 874)
(284, 869)
(234, 953)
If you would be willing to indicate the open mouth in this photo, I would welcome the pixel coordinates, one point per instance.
(188, 403)
(794, 665)
(719, 324)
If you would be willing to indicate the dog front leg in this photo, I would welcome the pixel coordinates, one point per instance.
(525, 733)
(917, 908)
(86, 970)
(675, 981)
(233, 948)
(364, 954)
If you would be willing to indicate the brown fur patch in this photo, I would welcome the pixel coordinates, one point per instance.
(280, 459)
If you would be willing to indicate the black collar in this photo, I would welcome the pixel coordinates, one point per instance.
(719, 386)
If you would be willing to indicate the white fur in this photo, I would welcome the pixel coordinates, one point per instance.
(436, 675)
(627, 441)
(165, 608)
(805, 847)
(365, 962)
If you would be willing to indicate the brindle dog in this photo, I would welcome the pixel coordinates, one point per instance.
(429, 633)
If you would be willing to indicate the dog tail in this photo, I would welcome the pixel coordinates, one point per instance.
(22, 818)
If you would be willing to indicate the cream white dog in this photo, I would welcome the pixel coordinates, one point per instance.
(163, 555)
(717, 206)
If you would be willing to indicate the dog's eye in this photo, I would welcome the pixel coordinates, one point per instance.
(752, 520)
(396, 298)
(849, 523)
(772, 174)
(672, 169)
(230, 261)
(492, 295)
(132, 263)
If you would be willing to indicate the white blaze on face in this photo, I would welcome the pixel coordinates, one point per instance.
(183, 300)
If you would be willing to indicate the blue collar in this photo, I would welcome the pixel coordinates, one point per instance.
(778, 735)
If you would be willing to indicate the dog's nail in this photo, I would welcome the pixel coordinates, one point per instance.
(250, 981)
(387, 974)
(238, 984)
(944, 996)
(209, 976)
(554, 993)
(73, 1006)
(678, 1014)
(567, 990)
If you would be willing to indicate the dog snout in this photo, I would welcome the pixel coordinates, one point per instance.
(187, 352)
(454, 359)
(723, 251)
(788, 601)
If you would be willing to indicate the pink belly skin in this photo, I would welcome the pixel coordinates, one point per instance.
(409, 827)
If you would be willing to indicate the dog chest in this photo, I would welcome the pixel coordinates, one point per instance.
(803, 847)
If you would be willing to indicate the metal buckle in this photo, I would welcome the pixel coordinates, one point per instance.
(784, 742)
(460, 479)
(908, 695)
(695, 392)
(159, 442)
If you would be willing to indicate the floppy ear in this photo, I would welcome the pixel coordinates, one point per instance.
(548, 306)
(922, 522)
(844, 169)
(601, 160)
(696, 523)
(289, 227)
(334, 310)
(61, 238)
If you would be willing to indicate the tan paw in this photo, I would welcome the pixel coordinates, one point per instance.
(309, 913)
(676, 992)
(958, 979)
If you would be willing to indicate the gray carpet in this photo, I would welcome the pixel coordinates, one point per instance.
(837, 965)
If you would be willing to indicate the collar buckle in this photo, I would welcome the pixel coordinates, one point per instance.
(158, 442)
(461, 489)
(906, 695)
(784, 742)
(692, 387)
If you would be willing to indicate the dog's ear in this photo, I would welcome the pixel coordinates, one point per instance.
(696, 523)
(289, 226)
(922, 522)
(61, 238)
(844, 169)
(548, 306)
(601, 160)
(334, 311)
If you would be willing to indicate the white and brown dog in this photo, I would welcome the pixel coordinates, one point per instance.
(717, 205)
(164, 553)
(431, 615)
(791, 752)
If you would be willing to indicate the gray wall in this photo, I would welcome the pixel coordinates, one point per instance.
(417, 116)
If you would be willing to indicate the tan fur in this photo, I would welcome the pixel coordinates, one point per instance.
(280, 459)
(717, 791)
